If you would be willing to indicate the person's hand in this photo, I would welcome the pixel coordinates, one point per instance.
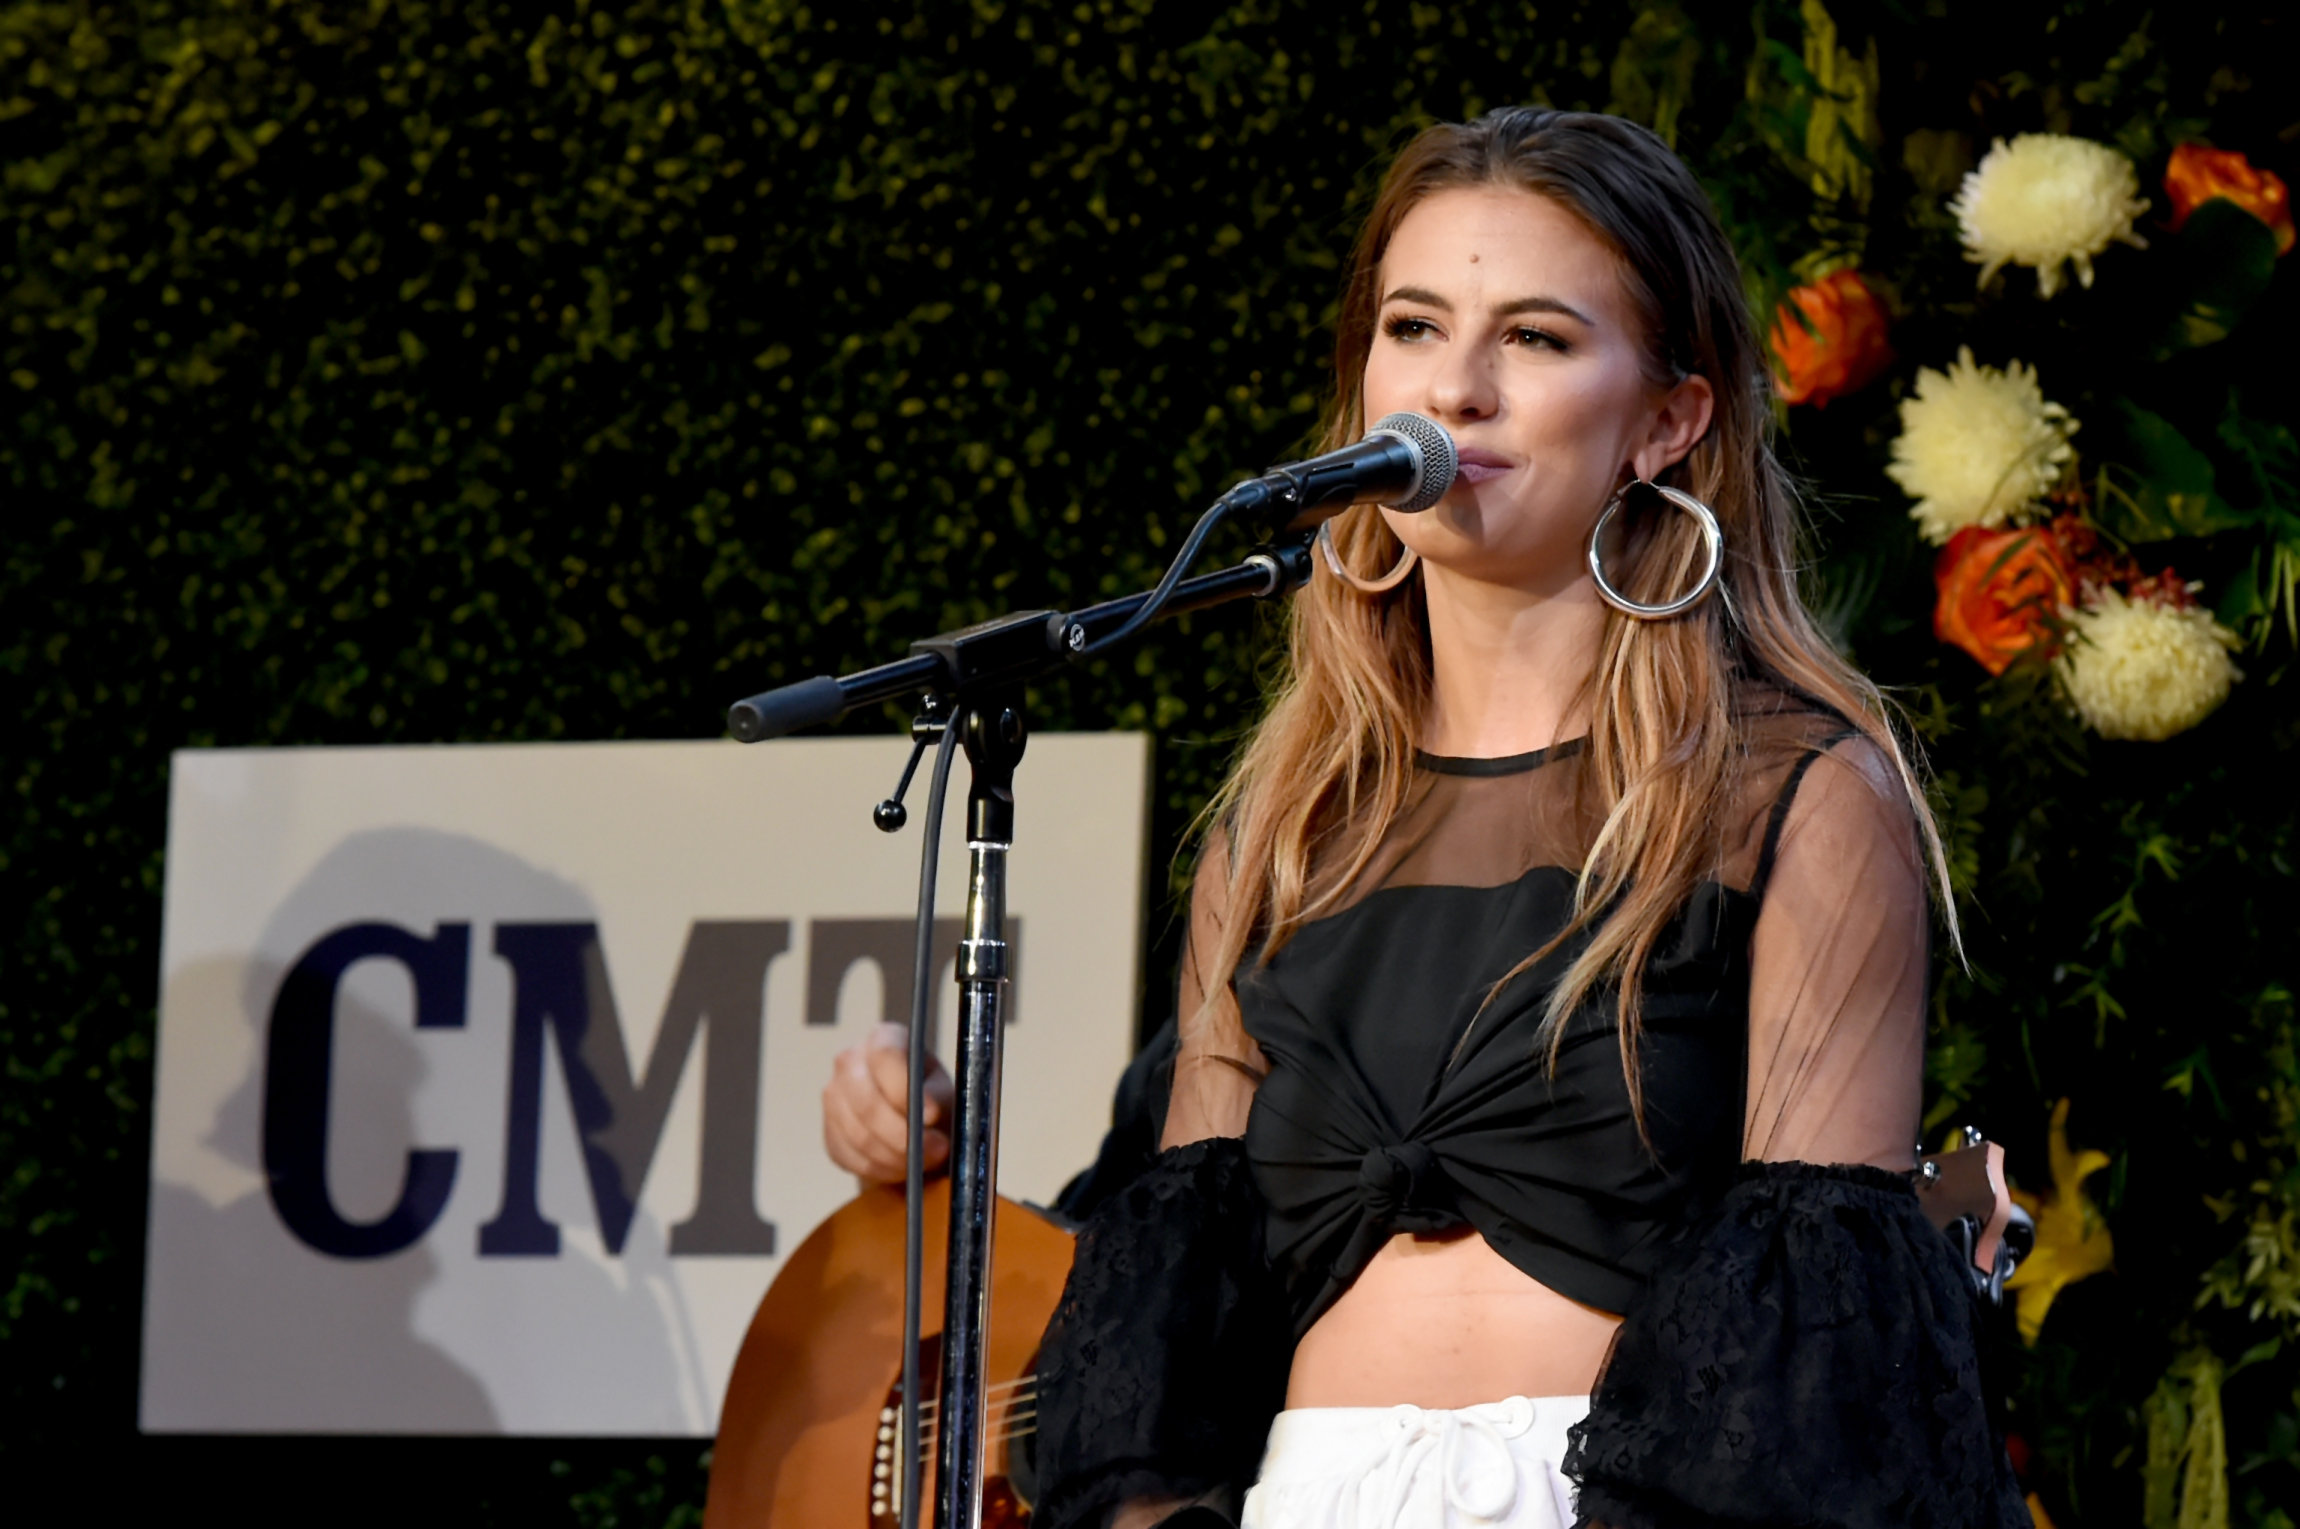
(864, 1128)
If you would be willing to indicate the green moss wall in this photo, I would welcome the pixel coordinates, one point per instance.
(396, 371)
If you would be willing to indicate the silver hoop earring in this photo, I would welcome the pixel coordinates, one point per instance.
(1380, 586)
(1712, 539)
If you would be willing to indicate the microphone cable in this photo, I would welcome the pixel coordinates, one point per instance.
(914, 1169)
(1148, 611)
(1303, 488)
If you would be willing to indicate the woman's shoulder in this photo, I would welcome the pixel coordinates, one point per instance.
(1811, 770)
(1772, 715)
(1782, 728)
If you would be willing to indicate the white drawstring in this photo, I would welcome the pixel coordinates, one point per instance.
(1474, 1472)
(1482, 1467)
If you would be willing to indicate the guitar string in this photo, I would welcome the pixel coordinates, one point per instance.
(992, 1422)
(1023, 1422)
(1010, 1408)
(1003, 1435)
(1013, 1394)
(992, 1416)
(1019, 1413)
(932, 1405)
(926, 1448)
(1019, 1428)
(1019, 1409)
(1014, 1415)
(1013, 1410)
(989, 1390)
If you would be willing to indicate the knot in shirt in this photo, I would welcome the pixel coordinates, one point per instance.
(1405, 1187)
(1407, 1013)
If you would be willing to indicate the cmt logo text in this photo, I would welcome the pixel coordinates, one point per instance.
(559, 985)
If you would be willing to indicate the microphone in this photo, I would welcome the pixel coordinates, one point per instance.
(1405, 462)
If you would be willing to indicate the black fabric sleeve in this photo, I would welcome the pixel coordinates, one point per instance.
(1806, 1358)
(1167, 1357)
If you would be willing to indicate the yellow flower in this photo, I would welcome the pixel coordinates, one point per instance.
(2072, 1240)
(1978, 447)
(2045, 198)
(2145, 669)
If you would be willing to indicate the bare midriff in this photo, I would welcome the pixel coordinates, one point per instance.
(1445, 1321)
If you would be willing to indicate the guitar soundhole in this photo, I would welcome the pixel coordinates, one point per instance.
(1011, 1481)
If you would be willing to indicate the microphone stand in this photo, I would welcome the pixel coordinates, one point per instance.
(972, 680)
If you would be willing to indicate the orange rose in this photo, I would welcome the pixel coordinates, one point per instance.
(2001, 592)
(1844, 348)
(2198, 174)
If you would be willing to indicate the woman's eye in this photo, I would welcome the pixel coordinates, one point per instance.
(1539, 339)
(1404, 327)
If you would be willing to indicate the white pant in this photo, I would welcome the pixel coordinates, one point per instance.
(1414, 1468)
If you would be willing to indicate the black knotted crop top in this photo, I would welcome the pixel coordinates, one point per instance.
(1797, 1344)
(1393, 1104)
(1404, 1093)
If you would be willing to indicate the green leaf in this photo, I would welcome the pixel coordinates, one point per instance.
(2219, 265)
(2271, 457)
(2266, 587)
(2242, 601)
(2155, 485)
(1653, 71)
(2259, 1353)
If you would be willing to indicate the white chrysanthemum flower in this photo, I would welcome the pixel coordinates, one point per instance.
(1978, 447)
(2143, 669)
(2045, 198)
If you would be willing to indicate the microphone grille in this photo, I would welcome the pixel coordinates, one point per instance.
(1438, 458)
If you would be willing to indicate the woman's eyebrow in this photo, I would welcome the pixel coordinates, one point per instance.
(1429, 299)
(1546, 305)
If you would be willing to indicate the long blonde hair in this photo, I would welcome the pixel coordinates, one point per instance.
(1328, 770)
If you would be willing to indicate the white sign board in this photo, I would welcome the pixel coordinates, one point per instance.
(489, 1076)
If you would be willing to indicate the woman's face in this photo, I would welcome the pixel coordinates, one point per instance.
(1503, 318)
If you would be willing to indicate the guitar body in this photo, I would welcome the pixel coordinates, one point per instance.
(800, 1441)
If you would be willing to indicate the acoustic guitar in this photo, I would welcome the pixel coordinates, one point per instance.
(809, 1435)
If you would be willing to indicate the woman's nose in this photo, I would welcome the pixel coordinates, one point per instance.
(1462, 388)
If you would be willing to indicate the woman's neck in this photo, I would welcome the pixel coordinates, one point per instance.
(1509, 666)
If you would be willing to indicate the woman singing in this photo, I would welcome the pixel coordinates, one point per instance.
(1552, 1018)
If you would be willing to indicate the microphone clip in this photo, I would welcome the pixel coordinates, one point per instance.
(889, 816)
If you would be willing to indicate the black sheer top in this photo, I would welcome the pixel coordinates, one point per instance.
(1797, 1345)
(1403, 1092)
(1399, 1098)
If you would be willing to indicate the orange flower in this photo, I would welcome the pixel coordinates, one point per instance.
(2001, 592)
(1844, 348)
(2198, 174)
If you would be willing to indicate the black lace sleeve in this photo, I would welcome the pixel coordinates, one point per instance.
(1167, 1356)
(1807, 1358)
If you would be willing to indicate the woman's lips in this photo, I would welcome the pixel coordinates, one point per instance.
(1477, 466)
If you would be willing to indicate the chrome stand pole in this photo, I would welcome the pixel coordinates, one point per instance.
(994, 739)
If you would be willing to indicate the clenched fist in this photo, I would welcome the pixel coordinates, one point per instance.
(864, 1128)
